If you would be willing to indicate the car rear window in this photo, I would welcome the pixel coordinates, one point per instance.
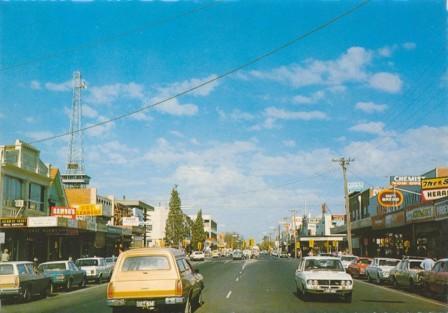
(52, 267)
(415, 265)
(6, 269)
(87, 262)
(145, 263)
(389, 262)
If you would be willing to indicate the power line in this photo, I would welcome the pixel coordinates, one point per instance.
(111, 38)
(223, 75)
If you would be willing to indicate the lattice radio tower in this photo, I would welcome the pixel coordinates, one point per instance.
(75, 177)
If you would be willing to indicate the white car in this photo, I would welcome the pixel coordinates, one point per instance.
(347, 260)
(379, 269)
(323, 276)
(95, 268)
(197, 256)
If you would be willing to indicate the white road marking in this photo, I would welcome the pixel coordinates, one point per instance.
(404, 293)
(241, 272)
(228, 294)
(237, 279)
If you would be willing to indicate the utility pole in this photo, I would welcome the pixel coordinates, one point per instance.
(343, 162)
(293, 211)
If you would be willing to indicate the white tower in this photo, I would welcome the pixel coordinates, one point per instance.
(75, 176)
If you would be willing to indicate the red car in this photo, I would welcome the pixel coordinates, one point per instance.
(358, 267)
(436, 280)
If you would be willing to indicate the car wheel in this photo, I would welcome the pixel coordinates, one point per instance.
(26, 295)
(68, 286)
(304, 294)
(378, 279)
(187, 308)
(83, 282)
(348, 298)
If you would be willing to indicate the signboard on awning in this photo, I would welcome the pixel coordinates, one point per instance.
(42, 221)
(422, 213)
(63, 212)
(89, 210)
(406, 180)
(434, 194)
(130, 221)
(435, 183)
(442, 209)
(13, 222)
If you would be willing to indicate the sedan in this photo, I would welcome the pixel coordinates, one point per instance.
(358, 268)
(379, 269)
(64, 274)
(323, 275)
(197, 256)
(436, 280)
(407, 274)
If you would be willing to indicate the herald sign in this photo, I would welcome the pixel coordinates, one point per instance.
(390, 198)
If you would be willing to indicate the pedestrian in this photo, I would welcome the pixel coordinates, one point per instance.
(5, 256)
(427, 264)
(35, 263)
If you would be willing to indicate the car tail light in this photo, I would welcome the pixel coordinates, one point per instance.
(178, 287)
(110, 291)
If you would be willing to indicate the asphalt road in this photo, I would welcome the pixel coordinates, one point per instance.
(252, 286)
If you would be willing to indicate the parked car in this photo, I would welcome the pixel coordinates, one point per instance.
(20, 279)
(154, 279)
(197, 256)
(96, 268)
(64, 274)
(284, 254)
(436, 280)
(323, 275)
(379, 269)
(215, 254)
(110, 262)
(347, 260)
(247, 254)
(358, 267)
(274, 253)
(406, 273)
(237, 255)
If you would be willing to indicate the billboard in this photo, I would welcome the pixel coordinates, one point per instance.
(435, 183)
(63, 212)
(130, 221)
(89, 210)
(390, 198)
(406, 180)
(434, 194)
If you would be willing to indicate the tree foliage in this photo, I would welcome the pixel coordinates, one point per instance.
(175, 229)
(198, 234)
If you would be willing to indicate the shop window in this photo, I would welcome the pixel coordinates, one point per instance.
(36, 196)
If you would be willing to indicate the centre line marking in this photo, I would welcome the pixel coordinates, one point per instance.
(237, 279)
(228, 294)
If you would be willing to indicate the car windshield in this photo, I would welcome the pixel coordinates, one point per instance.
(388, 262)
(87, 262)
(145, 263)
(6, 269)
(364, 261)
(323, 264)
(415, 265)
(52, 267)
(347, 258)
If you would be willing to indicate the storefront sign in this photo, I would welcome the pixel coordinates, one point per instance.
(390, 198)
(435, 183)
(378, 222)
(434, 194)
(442, 209)
(2, 237)
(355, 186)
(43, 221)
(72, 223)
(13, 222)
(89, 210)
(63, 212)
(394, 220)
(419, 214)
(130, 221)
(406, 180)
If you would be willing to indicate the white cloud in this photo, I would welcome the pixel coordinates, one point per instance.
(112, 152)
(178, 87)
(289, 143)
(388, 82)
(313, 98)
(109, 93)
(235, 115)
(35, 85)
(30, 119)
(88, 111)
(173, 107)
(280, 114)
(100, 130)
(38, 135)
(370, 107)
(386, 51)
(177, 134)
(59, 87)
(376, 128)
(143, 116)
(409, 45)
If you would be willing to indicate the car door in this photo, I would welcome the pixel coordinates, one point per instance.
(74, 273)
(194, 278)
(432, 280)
(299, 274)
(440, 280)
(36, 279)
(401, 266)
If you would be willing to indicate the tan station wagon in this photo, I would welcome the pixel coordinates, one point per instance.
(154, 279)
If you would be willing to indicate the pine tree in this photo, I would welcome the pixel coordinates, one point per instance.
(175, 224)
(198, 234)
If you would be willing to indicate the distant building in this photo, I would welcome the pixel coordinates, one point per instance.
(210, 227)
(156, 235)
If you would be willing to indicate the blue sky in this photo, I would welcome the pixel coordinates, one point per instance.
(249, 147)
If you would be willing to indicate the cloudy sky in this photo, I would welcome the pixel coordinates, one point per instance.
(251, 146)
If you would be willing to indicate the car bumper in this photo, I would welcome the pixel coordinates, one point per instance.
(328, 291)
(151, 304)
(93, 277)
(10, 292)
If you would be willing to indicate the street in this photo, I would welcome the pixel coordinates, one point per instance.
(261, 285)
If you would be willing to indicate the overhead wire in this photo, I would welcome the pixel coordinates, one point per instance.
(220, 76)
